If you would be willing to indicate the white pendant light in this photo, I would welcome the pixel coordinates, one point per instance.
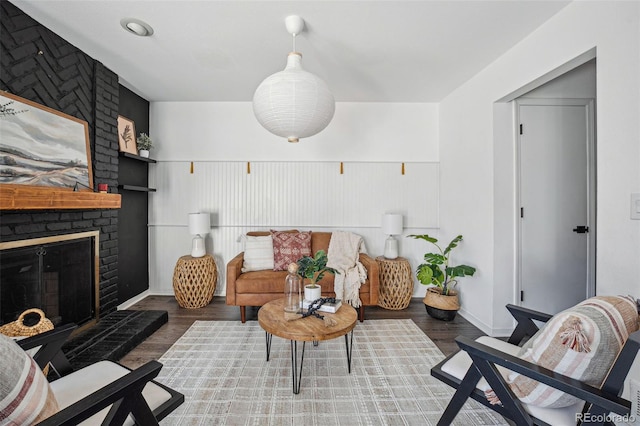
(293, 103)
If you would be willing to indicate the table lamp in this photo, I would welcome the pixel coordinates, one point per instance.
(391, 225)
(199, 225)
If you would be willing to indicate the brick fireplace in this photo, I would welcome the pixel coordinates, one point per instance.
(40, 66)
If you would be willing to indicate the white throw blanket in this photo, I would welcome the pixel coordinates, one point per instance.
(344, 249)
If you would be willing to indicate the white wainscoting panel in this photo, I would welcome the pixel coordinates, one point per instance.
(295, 193)
(283, 195)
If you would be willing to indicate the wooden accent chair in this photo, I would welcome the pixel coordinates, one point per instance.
(481, 364)
(105, 388)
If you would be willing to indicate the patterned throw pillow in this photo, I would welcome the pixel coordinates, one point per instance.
(289, 247)
(25, 395)
(258, 253)
(581, 342)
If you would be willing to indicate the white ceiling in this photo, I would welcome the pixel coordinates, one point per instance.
(366, 51)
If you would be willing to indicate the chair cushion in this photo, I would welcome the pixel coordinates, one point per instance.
(75, 386)
(458, 365)
(25, 395)
(258, 253)
(289, 247)
(581, 342)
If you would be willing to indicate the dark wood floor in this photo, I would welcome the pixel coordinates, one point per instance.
(440, 332)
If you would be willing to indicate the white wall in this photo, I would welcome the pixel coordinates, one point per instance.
(372, 139)
(228, 131)
(470, 158)
(580, 82)
(467, 152)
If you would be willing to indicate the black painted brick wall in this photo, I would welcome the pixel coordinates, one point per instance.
(38, 65)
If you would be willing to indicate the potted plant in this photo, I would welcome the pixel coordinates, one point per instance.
(313, 269)
(441, 299)
(144, 144)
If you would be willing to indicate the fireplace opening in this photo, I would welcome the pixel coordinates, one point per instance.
(56, 274)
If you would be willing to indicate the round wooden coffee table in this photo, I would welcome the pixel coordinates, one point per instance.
(310, 329)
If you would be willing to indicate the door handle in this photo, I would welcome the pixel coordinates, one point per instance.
(581, 229)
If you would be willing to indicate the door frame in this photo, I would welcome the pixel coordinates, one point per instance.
(589, 105)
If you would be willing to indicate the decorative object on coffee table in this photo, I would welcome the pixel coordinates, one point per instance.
(396, 283)
(313, 269)
(292, 291)
(194, 281)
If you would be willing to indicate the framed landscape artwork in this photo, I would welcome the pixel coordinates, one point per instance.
(127, 135)
(40, 146)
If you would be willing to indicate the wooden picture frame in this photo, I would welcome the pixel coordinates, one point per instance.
(127, 135)
(40, 146)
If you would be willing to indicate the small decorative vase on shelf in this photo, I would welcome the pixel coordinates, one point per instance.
(144, 153)
(312, 292)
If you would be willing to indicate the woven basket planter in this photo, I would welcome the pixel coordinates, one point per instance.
(440, 306)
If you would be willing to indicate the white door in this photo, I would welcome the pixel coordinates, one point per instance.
(557, 200)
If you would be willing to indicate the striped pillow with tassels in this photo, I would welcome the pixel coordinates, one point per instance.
(25, 395)
(581, 342)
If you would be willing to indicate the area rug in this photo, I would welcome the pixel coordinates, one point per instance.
(221, 368)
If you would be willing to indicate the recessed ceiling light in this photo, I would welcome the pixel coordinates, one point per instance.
(137, 27)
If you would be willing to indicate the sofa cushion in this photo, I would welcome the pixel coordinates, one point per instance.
(289, 247)
(581, 342)
(320, 241)
(258, 253)
(25, 395)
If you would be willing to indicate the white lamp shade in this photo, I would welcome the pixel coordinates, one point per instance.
(293, 103)
(199, 223)
(392, 224)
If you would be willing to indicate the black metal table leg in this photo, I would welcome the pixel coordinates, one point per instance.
(349, 345)
(268, 337)
(296, 374)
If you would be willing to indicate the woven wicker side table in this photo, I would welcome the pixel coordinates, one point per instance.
(194, 281)
(396, 283)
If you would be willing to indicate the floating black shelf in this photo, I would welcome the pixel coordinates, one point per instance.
(137, 157)
(136, 188)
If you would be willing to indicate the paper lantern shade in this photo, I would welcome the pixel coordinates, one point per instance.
(293, 103)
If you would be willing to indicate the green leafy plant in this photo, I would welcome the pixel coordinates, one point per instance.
(144, 142)
(436, 270)
(314, 268)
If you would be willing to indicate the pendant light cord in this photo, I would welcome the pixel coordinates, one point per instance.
(294, 42)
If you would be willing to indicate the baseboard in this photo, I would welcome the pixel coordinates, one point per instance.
(133, 300)
(171, 293)
(485, 328)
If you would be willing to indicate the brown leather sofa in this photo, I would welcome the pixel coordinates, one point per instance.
(259, 287)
